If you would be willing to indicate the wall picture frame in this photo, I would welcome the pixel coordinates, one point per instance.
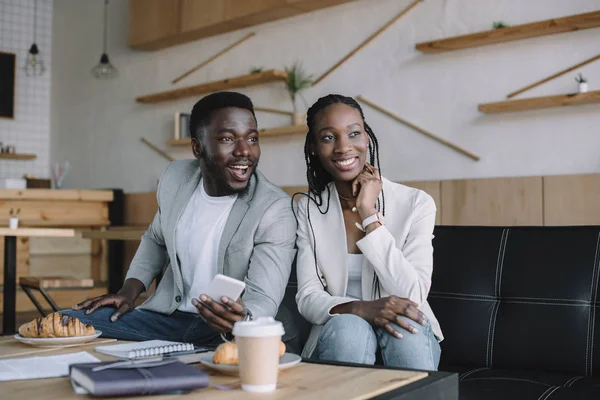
(181, 126)
(7, 85)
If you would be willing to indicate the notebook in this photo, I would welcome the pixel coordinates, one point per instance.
(125, 378)
(148, 348)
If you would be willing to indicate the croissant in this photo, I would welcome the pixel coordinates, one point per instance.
(227, 353)
(55, 325)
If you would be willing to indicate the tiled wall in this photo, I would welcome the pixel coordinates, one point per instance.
(29, 131)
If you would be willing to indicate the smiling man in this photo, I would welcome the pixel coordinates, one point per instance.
(216, 214)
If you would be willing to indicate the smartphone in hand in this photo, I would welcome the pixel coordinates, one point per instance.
(225, 286)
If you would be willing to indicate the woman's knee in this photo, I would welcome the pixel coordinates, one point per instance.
(419, 350)
(346, 325)
(347, 338)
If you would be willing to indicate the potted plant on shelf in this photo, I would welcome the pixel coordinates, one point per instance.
(500, 25)
(297, 80)
(583, 83)
(13, 221)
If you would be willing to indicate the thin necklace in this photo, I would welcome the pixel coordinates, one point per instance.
(348, 202)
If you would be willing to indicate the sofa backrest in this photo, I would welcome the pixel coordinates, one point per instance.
(518, 297)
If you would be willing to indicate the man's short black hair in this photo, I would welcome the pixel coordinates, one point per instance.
(203, 109)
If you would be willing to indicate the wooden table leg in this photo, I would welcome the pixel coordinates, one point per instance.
(10, 285)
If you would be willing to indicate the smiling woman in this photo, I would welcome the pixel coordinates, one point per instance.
(366, 288)
(225, 140)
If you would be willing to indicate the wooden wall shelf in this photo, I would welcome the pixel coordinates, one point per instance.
(517, 32)
(226, 84)
(537, 103)
(7, 156)
(282, 131)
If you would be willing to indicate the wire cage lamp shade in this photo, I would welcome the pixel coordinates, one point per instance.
(104, 69)
(34, 65)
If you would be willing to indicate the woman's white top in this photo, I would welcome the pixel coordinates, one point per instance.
(354, 263)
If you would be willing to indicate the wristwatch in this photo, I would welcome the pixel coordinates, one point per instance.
(377, 217)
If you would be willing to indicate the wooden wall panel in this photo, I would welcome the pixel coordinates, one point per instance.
(198, 14)
(493, 202)
(572, 200)
(434, 189)
(140, 209)
(152, 20)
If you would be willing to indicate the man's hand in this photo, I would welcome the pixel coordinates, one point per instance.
(220, 317)
(382, 311)
(122, 303)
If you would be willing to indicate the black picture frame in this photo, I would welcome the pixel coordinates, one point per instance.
(182, 125)
(7, 85)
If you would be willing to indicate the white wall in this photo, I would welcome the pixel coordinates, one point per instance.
(97, 125)
(29, 131)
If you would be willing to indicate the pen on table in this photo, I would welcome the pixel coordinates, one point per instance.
(181, 353)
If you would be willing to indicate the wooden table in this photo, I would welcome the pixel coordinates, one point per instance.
(115, 266)
(305, 381)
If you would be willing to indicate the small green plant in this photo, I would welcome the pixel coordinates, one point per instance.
(499, 25)
(580, 78)
(297, 80)
(14, 213)
(256, 70)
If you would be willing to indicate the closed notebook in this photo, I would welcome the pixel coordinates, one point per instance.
(154, 377)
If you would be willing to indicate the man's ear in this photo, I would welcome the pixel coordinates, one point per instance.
(197, 148)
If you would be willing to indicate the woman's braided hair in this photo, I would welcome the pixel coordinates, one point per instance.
(317, 176)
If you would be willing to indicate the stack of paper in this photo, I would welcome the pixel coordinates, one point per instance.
(42, 367)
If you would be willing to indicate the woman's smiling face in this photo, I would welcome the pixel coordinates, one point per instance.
(340, 141)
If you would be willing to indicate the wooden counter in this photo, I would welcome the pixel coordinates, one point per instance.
(57, 208)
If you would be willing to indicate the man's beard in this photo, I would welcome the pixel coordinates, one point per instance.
(217, 175)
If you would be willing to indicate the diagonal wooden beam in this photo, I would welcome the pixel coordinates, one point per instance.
(211, 59)
(364, 43)
(418, 128)
(556, 75)
(163, 153)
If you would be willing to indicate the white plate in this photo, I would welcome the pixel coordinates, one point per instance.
(288, 360)
(58, 341)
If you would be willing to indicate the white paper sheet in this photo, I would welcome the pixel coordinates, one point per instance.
(42, 367)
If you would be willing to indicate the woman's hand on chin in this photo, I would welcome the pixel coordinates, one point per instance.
(366, 187)
(382, 312)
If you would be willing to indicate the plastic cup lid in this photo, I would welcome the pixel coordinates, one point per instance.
(260, 327)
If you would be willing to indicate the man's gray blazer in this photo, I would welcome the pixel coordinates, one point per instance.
(257, 245)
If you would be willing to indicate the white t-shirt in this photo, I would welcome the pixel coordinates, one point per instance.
(197, 239)
(354, 263)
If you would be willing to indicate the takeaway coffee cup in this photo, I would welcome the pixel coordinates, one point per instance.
(258, 353)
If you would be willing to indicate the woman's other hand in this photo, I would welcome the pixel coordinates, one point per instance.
(380, 313)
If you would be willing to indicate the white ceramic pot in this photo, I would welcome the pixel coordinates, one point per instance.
(583, 87)
(13, 223)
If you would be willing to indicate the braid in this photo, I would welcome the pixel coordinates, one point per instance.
(317, 176)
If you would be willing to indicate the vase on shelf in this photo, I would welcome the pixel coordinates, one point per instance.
(13, 222)
(583, 87)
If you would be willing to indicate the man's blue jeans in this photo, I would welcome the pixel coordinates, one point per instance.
(139, 325)
(349, 338)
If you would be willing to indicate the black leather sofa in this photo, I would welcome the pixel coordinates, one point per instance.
(518, 307)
